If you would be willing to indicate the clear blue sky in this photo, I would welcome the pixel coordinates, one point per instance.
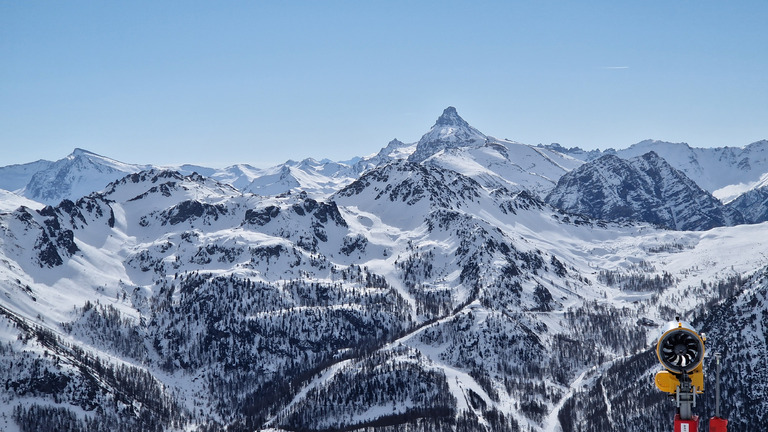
(260, 82)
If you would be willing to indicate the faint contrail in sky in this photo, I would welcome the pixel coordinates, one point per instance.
(615, 67)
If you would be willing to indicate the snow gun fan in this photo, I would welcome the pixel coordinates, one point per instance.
(680, 350)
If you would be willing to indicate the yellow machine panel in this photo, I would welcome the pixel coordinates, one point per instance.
(668, 382)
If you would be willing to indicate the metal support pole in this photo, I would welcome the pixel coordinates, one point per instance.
(685, 420)
(717, 386)
(717, 423)
(686, 397)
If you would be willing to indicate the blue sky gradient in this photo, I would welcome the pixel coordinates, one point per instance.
(260, 82)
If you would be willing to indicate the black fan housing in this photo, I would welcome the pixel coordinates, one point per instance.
(680, 350)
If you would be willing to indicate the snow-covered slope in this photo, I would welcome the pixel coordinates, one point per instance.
(753, 204)
(394, 150)
(10, 201)
(319, 179)
(14, 177)
(726, 172)
(508, 164)
(239, 175)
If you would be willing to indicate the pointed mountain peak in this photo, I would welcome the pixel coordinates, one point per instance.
(451, 117)
(450, 131)
(81, 152)
(392, 146)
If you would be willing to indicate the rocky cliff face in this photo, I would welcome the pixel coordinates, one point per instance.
(753, 205)
(644, 188)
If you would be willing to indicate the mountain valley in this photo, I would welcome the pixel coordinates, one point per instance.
(459, 283)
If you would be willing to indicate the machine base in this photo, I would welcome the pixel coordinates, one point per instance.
(717, 424)
(691, 425)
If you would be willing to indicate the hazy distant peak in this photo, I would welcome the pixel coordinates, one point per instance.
(647, 142)
(761, 143)
(451, 117)
(79, 151)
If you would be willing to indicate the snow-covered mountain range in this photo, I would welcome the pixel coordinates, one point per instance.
(461, 282)
(642, 188)
(726, 172)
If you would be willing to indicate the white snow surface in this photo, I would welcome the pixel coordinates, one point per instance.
(10, 201)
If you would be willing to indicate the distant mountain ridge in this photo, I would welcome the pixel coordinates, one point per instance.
(77, 175)
(451, 143)
(644, 188)
(726, 172)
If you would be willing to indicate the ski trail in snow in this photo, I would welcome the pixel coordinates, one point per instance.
(386, 269)
(324, 377)
(607, 404)
(552, 423)
(394, 281)
(459, 382)
(333, 369)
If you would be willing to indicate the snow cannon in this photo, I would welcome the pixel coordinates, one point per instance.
(680, 350)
